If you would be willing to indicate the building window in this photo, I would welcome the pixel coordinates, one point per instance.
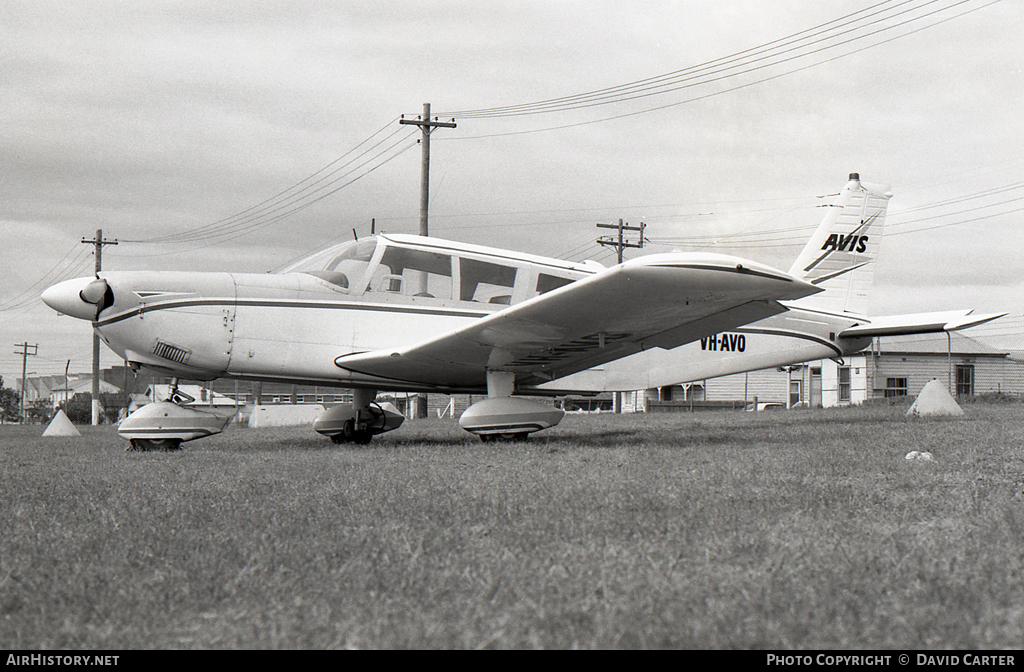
(794, 392)
(844, 384)
(895, 387)
(964, 380)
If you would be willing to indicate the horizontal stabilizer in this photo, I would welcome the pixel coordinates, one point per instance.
(919, 323)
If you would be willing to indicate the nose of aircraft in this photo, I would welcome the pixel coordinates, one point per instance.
(83, 298)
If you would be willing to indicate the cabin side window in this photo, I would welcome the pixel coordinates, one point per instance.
(546, 283)
(485, 282)
(413, 273)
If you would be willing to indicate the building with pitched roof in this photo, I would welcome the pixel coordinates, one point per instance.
(894, 366)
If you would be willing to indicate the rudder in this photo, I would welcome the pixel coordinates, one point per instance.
(841, 254)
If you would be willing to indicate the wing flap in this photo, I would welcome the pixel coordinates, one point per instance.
(661, 300)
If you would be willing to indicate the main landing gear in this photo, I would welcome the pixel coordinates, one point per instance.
(165, 425)
(502, 417)
(359, 421)
(504, 436)
(153, 445)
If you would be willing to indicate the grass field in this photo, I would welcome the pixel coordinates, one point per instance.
(802, 529)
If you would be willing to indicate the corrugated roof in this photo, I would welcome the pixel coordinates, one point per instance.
(936, 344)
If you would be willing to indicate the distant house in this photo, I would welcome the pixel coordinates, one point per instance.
(55, 390)
(892, 367)
(41, 387)
(898, 367)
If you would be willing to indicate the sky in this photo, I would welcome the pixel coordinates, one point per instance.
(207, 136)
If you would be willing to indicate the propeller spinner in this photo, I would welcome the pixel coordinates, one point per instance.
(83, 298)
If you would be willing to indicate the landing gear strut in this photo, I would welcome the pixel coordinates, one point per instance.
(177, 396)
(502, 417)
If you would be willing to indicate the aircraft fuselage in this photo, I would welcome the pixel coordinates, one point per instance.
(293, 326)
(262, 326)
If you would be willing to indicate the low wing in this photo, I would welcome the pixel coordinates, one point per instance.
(662, 300)
(919, 323)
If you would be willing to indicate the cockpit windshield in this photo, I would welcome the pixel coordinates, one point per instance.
(342, 265)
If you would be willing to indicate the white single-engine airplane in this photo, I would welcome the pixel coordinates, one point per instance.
(411, 313)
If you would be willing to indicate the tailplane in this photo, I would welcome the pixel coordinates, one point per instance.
(840, 257)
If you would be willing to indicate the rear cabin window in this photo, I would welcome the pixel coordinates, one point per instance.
(485, 282)
(413, 273)
(545, 283)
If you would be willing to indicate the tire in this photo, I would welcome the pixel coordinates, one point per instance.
(154, 445)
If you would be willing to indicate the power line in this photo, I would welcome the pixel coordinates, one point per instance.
(43, 281)
(297, 193)
(651, 85)
(469, 114)
(31, 302)
(275, 197)
(245, 227)
(968, 197)
(619, 242)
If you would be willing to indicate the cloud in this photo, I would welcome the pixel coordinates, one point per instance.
(157, 118)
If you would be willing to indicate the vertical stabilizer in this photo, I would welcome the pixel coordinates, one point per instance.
(840, 257)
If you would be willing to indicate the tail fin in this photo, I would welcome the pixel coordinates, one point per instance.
(840, 257)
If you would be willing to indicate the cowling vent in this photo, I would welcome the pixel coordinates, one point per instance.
(171, 352)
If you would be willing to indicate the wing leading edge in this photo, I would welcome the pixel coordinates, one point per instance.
(663, 300)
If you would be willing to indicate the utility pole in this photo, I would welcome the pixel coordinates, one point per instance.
(427, 125)
(99, 243)
(617, 242)
(24, 372)
(620, 244)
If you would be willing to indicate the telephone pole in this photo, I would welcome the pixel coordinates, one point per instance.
(99, 243)
(620, 244)
(427, 125)
(617, 242)
(24, 372)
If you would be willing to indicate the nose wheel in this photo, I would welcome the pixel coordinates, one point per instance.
(163, 426)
